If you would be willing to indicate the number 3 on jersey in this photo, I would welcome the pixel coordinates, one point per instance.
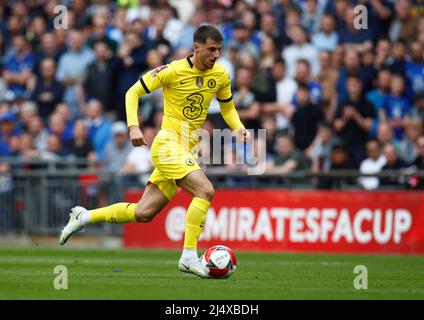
(194, 110)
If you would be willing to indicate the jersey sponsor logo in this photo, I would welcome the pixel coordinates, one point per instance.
(194, 110)
(199, 82)
(211, 83)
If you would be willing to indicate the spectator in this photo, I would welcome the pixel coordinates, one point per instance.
(54, 151)
(57, 127)
(156, 35)
(99, 34)
(327, 79)
(305, 119)
(409, 145)
(418, 109)
(100, 80)
(378, 96)
(38, 132)
(300, 49)
(340, 161)
(380, 15)
(269, 123)
(132, 57)
(8, 129)
(283, 92)
(358, 39)
(26, 151)
(186, 36)
(398, 61)
(269, 54)
(303, 77)
(64, 111)
(371, 165)
(311, 16)
(287, 158)
(115, 153)
(327, 38)
(47, 92)
(71, 70)
(99, 128)
(396, 106)
(418, 164)
(404, 25)
(291, 22)
(415, 69)
(80, 147)
(320, 149)
(385, 135)
(382, 53)
(36, 29)
(18, 67)
(48, 49)
(393, 163)
(269, 30)
(245, 99)
(139, 160)
(351, 66)
(354, 119)
(242, 40)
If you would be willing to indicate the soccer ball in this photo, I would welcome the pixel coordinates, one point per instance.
(219, 261)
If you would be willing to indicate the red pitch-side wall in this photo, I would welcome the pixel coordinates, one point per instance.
(281, 220)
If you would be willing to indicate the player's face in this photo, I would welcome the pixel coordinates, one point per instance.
(208, 53)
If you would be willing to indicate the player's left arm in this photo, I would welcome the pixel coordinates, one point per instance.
(228, 109)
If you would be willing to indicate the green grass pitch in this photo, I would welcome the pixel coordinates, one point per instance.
(28, 273)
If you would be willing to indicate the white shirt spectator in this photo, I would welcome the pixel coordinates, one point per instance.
(286, 89)
(140, 161)
(294, 52)
(370, 166)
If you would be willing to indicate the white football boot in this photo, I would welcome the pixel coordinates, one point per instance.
(194, 267)
(74, 225)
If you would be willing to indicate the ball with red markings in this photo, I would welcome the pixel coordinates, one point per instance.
(219, 261)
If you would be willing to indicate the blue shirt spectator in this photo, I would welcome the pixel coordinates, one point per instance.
(415, 70)
(18, 66)
(396, 109)
(99, 128)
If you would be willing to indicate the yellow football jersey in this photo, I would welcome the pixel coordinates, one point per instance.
(187, 94)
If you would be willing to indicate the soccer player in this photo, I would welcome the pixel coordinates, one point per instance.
(188, 87)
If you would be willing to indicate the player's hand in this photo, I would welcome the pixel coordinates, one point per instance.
(136, 136)
(243, 135)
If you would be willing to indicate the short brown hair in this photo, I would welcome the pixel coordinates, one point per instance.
(203, 33)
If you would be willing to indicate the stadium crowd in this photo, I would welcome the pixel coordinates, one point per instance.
(330, 96)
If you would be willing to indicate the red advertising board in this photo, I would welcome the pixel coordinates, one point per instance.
(283, 220)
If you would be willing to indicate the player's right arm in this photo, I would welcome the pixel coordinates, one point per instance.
(149, 82)
(131, 105)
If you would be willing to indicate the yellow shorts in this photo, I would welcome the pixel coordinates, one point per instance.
(172, 162)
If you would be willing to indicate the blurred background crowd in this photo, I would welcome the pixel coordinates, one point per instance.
(330, 96)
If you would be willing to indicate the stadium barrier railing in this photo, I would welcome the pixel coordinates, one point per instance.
(35, 195)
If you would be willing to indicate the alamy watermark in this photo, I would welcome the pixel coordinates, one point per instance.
(222, 147)
(361, 280)
(60, 282)
(61, 19)
(361, 19)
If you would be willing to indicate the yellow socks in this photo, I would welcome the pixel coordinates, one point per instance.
(195, 221)
(116, 213)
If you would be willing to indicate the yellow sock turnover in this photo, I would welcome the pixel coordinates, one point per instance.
(195, 221)
(116, 213)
